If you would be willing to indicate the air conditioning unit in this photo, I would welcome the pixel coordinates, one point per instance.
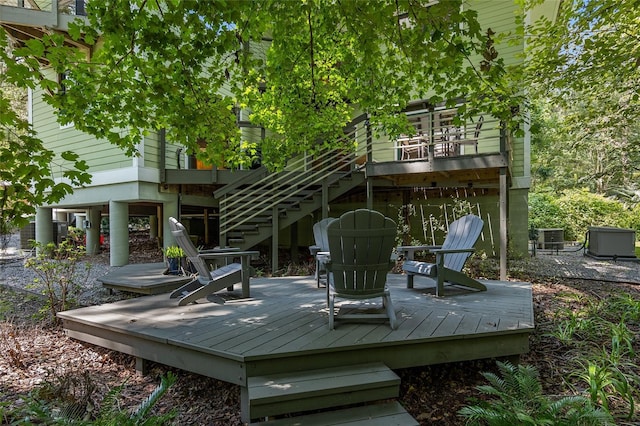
(609, 243)
(551, 238)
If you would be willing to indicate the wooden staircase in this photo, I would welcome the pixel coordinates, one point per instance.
(255, 207)
(371, 386)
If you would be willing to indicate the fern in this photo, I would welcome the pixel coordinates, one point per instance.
(165, 383)
(518, 399)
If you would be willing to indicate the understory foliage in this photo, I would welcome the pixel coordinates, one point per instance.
(576, 210)
(437, 223)
(59, 275)
(606, 372)
(517, 399)
(68, 399)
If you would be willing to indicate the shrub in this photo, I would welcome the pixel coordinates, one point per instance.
(59, 277)
(583, 209)
(576, 210)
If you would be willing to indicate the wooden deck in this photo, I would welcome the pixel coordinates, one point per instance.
(283, 328)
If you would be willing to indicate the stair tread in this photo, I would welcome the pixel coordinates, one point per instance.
(386, 414)
(291, 386)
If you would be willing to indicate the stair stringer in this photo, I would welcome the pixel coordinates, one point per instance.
(306, 208)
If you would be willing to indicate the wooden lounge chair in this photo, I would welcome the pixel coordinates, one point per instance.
(206, 281)
(360, 245)
(320, 250)
(451, 257)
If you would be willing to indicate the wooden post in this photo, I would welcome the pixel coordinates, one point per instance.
(325, 199)
(205, 217)
(275, 227)
(503, 223)
(369, 161)
(294, 243)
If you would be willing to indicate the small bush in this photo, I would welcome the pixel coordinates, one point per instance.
(59, 276)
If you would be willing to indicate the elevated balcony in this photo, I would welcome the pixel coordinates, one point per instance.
(443, 151)
(27, 19)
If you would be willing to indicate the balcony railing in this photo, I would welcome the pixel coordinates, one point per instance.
(69, 7)
(440, 133)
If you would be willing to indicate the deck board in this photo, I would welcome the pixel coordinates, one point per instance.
(284, 326)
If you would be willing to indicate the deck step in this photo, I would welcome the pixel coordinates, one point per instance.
(316, 389)
(385, 414)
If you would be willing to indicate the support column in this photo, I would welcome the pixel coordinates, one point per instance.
(205, 218)
(118, 233)
(44, 225)
(503, 224)
(169, 209)
(153, 226)
(80, 218)
(93, 231)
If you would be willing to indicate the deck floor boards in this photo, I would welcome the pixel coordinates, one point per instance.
(286, 321)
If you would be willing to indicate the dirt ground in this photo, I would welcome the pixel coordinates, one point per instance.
(33, 354)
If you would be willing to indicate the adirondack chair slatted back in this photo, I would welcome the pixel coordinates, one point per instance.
(463, 233)
(320, 233)
(181, 235)
(360, 245)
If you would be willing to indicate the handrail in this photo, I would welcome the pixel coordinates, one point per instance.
(245, 178)
(302, 174)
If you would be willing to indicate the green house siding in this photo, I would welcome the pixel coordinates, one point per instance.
(100, 155)
(151, 151)
(500, 17)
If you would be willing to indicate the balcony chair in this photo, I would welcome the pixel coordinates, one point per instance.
(360, 246)
(450, 257)
(473, 141)
(320, 250)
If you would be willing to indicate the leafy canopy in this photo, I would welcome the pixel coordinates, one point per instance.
(585, 67)
(25, 164)
(302, 69)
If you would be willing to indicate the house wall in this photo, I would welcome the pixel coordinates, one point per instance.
(100, 155)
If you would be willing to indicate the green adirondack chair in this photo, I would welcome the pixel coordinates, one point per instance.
(360, 246)
(451, 257)
(320, 250)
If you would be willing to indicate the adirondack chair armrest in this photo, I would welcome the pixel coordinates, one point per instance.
(219, 250)
(228, 254)
(314, 250)
(446, 251)
(408, 252)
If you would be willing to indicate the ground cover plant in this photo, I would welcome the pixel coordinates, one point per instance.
(584, 352)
